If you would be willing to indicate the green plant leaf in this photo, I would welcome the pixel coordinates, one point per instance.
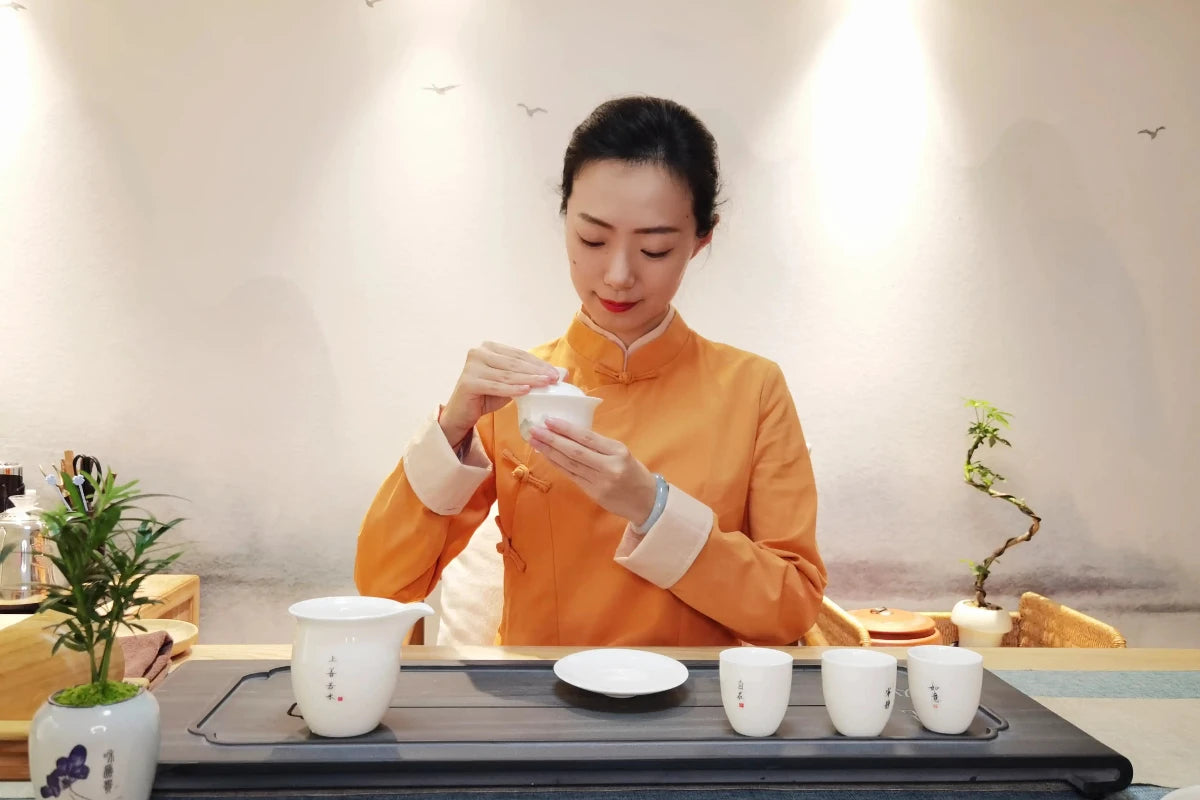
(104, 553)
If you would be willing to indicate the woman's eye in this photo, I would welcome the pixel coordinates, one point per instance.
(649, 254)
(590, 243)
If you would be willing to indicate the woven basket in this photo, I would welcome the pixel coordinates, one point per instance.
(1037, 622)
(836, 627)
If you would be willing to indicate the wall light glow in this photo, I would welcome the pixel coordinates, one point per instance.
(869, 120)
(16, 81)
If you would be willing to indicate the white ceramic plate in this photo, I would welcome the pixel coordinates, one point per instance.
(620, 673)
(183, 634)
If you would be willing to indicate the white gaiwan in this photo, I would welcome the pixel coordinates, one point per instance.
(560, 400)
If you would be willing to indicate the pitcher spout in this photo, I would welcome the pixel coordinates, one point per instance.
(408, 614)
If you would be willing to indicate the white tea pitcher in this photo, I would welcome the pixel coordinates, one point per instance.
(346, 659)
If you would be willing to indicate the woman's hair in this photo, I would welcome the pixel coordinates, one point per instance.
(649, 130)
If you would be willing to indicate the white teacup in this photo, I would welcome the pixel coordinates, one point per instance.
(756, 686)
(560, 400)
(346, 659)
(944, 684)
(859, 686)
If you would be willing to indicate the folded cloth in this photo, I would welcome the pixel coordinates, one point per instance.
(147, 655)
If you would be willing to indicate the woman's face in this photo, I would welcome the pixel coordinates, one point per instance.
(630, 235)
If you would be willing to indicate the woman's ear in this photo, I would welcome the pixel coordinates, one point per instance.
(706, 239)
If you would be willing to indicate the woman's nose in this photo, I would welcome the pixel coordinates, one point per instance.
(617, 273)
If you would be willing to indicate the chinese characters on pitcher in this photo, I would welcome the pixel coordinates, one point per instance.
(330, 686)
(740, 699)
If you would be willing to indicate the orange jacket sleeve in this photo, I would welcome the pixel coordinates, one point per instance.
(765, 582)
(417, 523)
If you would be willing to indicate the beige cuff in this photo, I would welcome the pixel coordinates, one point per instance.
(667, 550)
(442, 482)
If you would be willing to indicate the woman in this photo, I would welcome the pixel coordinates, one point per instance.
(688, 515)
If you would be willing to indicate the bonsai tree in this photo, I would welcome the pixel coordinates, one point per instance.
(986, 430)
(104, 547)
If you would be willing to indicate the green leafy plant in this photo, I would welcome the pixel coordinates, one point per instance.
(986, 429)
(104, 547)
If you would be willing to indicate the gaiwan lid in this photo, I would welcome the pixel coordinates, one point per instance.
(560, 388)
(894, 624)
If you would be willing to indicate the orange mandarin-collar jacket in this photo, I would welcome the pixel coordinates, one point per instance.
(733, 557)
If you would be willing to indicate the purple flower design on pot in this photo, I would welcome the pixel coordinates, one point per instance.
(52, 787)
(66, 771)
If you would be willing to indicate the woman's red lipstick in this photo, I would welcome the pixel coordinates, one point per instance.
(616, 308)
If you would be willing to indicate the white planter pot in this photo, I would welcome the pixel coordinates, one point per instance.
(980, 627)
(101, 753)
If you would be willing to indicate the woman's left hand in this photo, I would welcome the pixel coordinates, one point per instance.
(603, 468)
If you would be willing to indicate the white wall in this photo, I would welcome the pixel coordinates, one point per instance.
(243, 254)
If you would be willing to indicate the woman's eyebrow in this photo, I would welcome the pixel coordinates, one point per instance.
(654, 229)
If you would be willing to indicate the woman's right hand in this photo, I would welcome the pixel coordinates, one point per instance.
(493, 375)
